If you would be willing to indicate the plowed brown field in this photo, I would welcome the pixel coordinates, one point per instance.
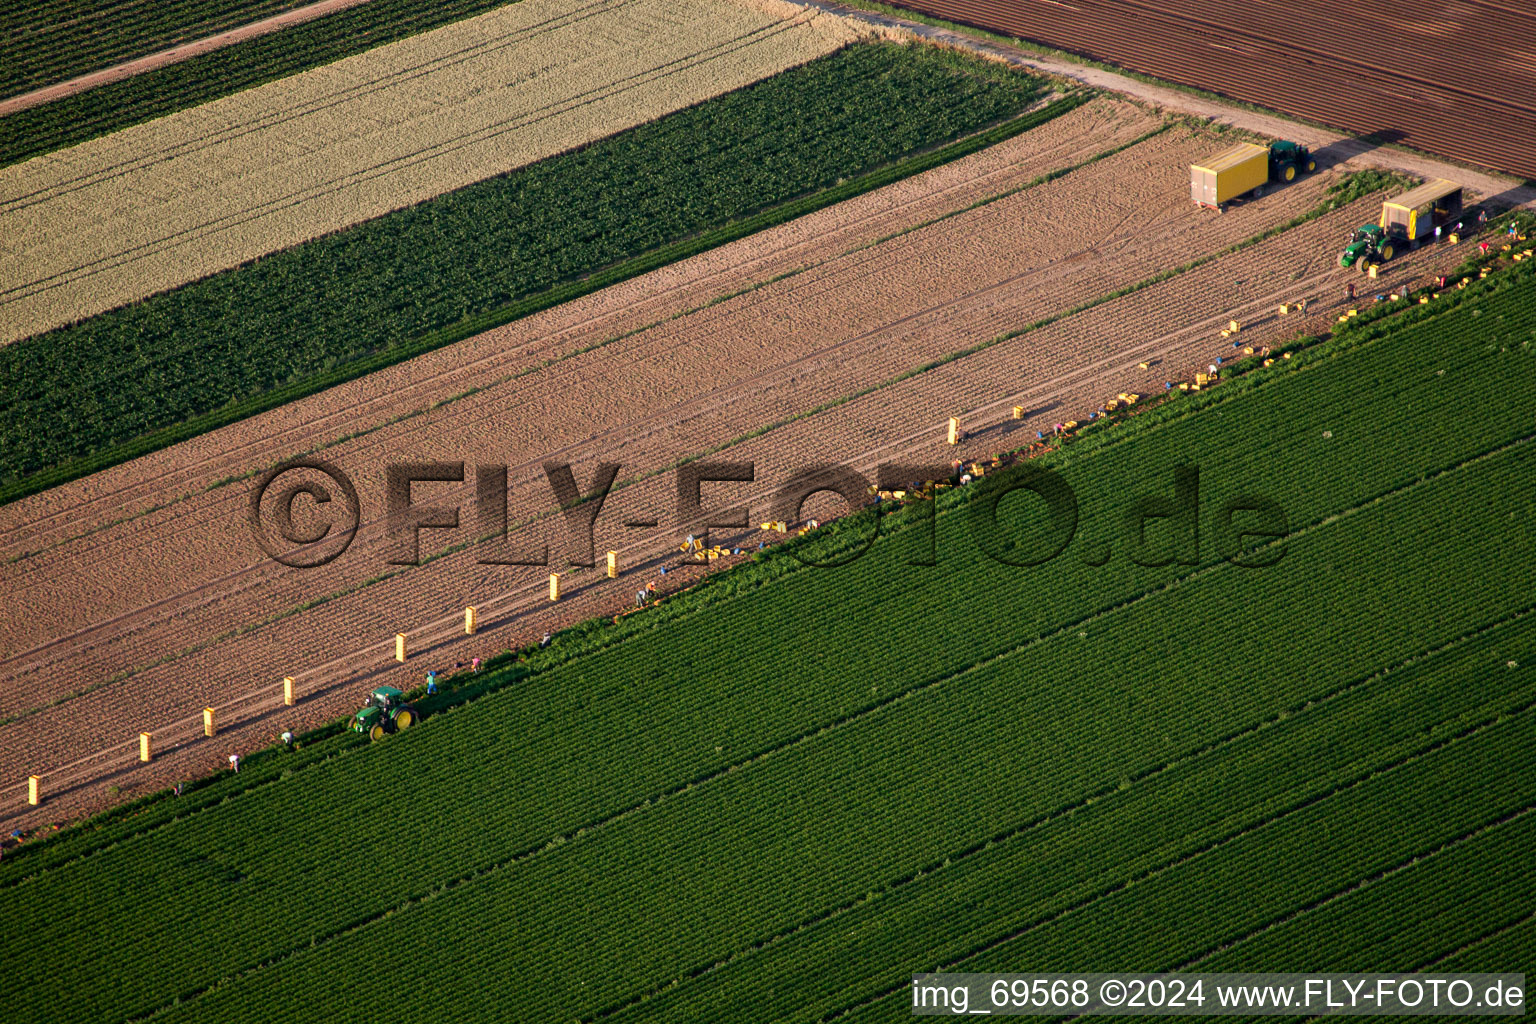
(123, 625)
(1457, 79)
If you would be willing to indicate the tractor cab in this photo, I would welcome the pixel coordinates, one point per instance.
(1369, 244)
(1288, 159)
(385, 712)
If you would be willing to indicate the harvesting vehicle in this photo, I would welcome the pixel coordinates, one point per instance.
(1405, 222)
(1369, 244)
(1246, 168)
(385, 712)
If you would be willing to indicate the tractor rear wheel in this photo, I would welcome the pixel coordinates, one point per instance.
(1387, 251)
(1290, 172)
(404, 718)
(377, 732)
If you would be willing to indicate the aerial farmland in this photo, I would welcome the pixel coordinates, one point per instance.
(738, 510)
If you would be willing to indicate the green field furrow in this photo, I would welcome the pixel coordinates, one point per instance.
(1335, 848)
(283, 326)
(584, 921)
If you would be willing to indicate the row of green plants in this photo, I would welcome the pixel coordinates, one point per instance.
(1406, 921)
(249, 339)
(1173, 914)
(53, 42)
(143, 97)
(606, 735)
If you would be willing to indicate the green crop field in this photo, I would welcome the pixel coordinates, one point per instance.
(248, 339)
(709, 811)
(52, 41)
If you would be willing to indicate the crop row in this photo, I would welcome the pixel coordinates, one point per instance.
(1408, 918)
(1169, 915)
(142, 97)
(340, 304)
(41, 44)
(1275, 873)
(687, 696)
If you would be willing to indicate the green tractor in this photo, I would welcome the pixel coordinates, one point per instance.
(1288, 159)
(1369, 244)
(385, 712)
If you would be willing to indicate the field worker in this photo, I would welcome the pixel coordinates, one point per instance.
(288, 737)
(1511, 229)
(1349, 291)
(650, 588)
(234, 762)
(432, 680)
(639, 599)
(1484, 247)
(474, 664)
(546, 641)
(1437, 232)
(1482, 217)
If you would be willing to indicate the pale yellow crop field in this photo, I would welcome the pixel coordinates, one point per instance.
(151, 207)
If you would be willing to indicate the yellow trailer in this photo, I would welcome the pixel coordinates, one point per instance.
(1229, 174)
(1415, 215)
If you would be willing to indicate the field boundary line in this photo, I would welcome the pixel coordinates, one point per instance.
(1132, 600)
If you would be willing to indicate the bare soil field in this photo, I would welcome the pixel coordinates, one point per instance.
(157, 205)
(1453, 79)
(168, 611)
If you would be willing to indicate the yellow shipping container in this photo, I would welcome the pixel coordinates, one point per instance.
(1229, 174)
